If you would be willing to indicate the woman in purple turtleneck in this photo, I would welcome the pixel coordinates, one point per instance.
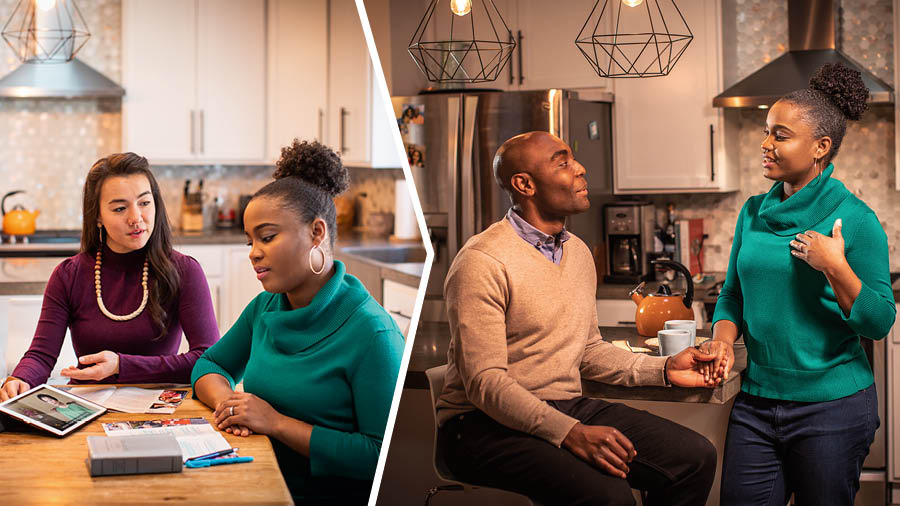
(127, 296)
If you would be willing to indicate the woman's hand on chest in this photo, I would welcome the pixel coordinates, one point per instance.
(821, 252)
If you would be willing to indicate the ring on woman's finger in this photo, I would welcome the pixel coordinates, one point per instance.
(231, 410)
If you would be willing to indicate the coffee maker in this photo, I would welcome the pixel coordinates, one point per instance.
(629, 238)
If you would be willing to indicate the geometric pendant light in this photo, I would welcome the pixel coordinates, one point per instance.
(46, 31)
(458, 42)
(634, 38)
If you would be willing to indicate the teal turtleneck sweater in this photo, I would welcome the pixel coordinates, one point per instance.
(801, 346)
(333, 364)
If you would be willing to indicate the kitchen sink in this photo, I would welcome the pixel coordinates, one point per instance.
(388, 254)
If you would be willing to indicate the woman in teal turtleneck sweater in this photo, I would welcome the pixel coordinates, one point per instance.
(318, 356)
(807, 279)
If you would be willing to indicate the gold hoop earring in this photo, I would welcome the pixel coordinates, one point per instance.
(313, 269)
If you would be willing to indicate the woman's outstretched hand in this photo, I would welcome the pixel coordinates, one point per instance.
(104, 365)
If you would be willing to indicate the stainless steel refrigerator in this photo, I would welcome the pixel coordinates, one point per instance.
(451, 139)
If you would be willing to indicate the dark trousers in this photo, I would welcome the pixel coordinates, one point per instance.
(814, 450)
(675, 465)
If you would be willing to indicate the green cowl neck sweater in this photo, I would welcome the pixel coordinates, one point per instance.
(800, 344)
(333, 364)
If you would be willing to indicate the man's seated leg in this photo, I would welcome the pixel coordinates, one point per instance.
(480, 451)
(675, 465)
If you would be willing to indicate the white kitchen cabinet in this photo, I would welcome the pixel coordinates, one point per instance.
(211, 261)
(615, 312)
(297, 88)
(241, 285)
(359, 126)
(232, 281)
(546, 55)
(195, 80)
(667, 136)
(20, 314)
(399, 302)
(893, 404)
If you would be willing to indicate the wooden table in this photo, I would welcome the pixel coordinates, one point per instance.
(44, 469)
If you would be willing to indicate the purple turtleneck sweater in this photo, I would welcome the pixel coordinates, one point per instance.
(70, 300)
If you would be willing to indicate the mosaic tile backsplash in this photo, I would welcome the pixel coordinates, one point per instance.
(866, 160)
(47, 146)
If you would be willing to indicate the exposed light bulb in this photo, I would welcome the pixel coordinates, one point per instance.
(463, 7)
(46, 5)
(632, 3)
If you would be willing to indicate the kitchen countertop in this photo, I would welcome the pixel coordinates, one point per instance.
(28, 275)
(433, 340)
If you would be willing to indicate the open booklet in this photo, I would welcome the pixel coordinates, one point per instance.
(195, 435)
(130, 399)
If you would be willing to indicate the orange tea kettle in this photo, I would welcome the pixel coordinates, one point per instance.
(17, 221)
(655, 309)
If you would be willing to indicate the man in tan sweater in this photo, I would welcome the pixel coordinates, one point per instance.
(523, 320)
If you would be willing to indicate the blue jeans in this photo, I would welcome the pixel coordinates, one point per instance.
(814, 450)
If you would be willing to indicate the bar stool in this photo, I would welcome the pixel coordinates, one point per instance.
(436, 385)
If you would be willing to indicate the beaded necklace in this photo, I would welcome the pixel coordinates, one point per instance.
(103, 309)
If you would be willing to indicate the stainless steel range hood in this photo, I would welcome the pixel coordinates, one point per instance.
(74, 79)
(812, 34)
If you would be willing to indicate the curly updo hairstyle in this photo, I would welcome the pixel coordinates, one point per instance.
(308, 177)
(835, 94)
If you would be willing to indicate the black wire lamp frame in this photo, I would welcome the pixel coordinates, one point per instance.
(658, 50)
(471, 60)
(33, 44)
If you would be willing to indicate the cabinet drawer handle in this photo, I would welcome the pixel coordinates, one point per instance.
(712, 153)
(398, 313)
(202, 133)
(521, 75)
(193, 131)
(511, 41)
(344, 114)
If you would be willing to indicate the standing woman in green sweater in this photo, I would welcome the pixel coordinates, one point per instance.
(318, 356)
(807, 279)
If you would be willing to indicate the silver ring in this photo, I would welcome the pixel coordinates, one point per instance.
(231, 410)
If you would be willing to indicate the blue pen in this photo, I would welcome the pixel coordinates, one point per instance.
(216, 462)
(214, 454)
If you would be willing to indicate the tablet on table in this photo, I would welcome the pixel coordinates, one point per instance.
(52, 409)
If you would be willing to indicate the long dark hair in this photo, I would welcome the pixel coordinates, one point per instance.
(308, 177)
(164, 279)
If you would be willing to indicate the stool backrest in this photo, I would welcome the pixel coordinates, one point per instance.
(436, 385)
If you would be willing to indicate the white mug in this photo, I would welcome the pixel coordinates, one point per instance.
(673, 341)
(689, 325)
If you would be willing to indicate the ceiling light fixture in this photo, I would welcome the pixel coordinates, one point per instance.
(45, 31)
(473, 47)
(640, 41)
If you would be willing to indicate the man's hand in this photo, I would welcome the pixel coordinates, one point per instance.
(603, 447)
(688, 368)
(105, 364)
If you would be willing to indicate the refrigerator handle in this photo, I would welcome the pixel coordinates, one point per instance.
(469, 205)
(453, 234)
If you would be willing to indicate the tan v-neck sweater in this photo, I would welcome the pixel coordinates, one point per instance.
(524, 330)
